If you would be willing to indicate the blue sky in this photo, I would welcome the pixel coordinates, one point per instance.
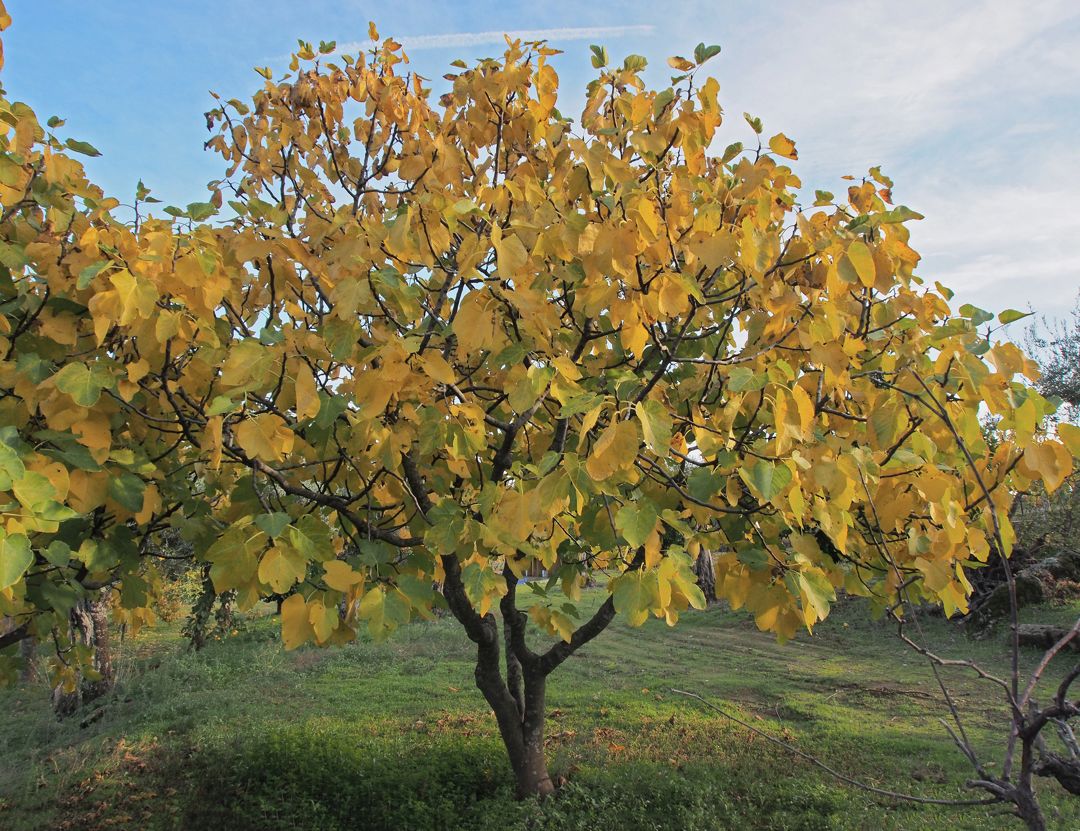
(972, 106)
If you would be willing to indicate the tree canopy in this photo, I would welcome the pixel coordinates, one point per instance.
(413, 347)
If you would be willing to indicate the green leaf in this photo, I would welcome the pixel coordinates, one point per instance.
(33, 366)
(127, 489)
(975, 314)
(53, 511)
(310, 536)
(634, 593)
(383, 610)
(599, 56)
(11, 467)
(61, 597)
(755, 559)
(636, 520)
(1012, 315)
(58, 553)
(663, 98)
(884, 423)
(656, 425)
(731, 151)
(82, 147)
(765, 478)
(15, 558)
(221, 405)
(703, 484)
(273, 524)
(33, 490)
(578, 404)
(901, 213)
(83, 383)
(702, 53)
(819, 591)
(742, 379)
(87, 275)
(199, 211)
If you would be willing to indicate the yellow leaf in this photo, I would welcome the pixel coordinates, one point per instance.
(265, 436)
(95, 434)
(510, 254)
(137, 370)
(87, 490)
(438, 369)
(324, 620)
(151, 504)
(1070, 435)
(633, 334)
(296, 628)
(863, 261)
(340, 575)
(653, 553)
(281, 568)
(1050, 461)
(781, 145)
(1025, 418)
(137, 299)
(615, 449)
(307, 393)
(475, 324)
(212, 440)
(566, 367)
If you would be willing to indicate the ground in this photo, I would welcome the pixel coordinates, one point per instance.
(244, 735)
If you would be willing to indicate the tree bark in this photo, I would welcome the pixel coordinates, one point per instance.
(522, 731)
(1027, 808)
(28, 653)
(706, 575)
(99, 620)
(90, 628)
(1027, 804)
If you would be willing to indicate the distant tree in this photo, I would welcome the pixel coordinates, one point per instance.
(1056, 346)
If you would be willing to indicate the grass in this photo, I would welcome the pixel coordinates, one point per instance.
(394, 736)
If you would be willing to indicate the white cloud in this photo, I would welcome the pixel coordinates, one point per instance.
(453, 40)
(966, 104)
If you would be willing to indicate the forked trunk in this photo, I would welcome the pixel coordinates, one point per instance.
(517, 700)
(520, 718)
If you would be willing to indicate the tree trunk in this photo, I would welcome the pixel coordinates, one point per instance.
(89, 627)
(28, 653)
(522, 732)
(518, 702)
(99, 619)
(1027, 808)
(1027, 804)
(66, 702)
(706, 575)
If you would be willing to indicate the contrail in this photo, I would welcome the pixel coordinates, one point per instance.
(459, 39)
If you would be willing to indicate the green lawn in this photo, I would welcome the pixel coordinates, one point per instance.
(246, 736)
